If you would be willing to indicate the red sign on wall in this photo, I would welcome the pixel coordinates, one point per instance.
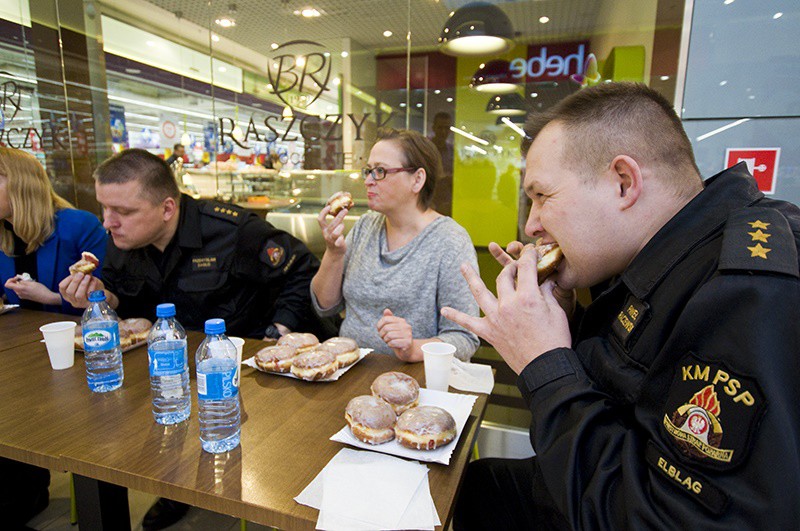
(761, 162)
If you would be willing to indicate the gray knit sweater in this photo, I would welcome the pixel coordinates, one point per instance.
(414, 282)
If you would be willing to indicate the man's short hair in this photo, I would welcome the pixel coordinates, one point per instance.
(176, 146)
(153, 174)
(612, 119)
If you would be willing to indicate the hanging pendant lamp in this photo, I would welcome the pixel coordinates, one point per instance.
(506, 105)
(478, 29)
(494, 77)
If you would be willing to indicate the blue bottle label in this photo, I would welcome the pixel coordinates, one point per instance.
(104, 337)
(166, 362)
(216, 385)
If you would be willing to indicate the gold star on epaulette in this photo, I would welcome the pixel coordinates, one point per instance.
(759, 236)
(758, 224)
(235, 214)
(216, 209)
(758, 251)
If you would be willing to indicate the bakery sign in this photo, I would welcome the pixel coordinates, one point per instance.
(294, 69)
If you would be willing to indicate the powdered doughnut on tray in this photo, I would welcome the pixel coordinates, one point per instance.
(314, 365)
(276, 358)
(301, 341)
(399, 390)
(345, 349)
(371, 419)
(135, 329)
(425, 428)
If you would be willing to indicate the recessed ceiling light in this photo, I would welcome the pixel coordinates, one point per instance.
(437, 91)
(297, 12)
(150, 43)
(727, 2)
(534, 94)
(310, 12)
(301, 60)
(752, 97)
(777, 15)
(664, 78)
(449, 100)
(214, 37)
(402, 104)
(222, 69)
(345, 54)
(336, 81)
(419, 105)
(327, 54)
(225, 22)
(274, 45)
(387, 33)
(723, 83)
(133, 71)
(544, 20)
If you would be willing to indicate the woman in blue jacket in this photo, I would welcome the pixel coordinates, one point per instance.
(41, 234)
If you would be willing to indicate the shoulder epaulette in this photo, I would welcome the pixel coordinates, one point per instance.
(758, 239)
(224, 211)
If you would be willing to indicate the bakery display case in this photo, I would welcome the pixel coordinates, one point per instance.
(290, 199)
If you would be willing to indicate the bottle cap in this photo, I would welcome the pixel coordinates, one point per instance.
(165, 310)
(97, 296)
(215, 326)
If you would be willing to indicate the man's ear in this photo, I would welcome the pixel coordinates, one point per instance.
(170, 208)
(628, 178)
(419, 180)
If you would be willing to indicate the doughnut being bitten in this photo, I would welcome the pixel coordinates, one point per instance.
(85, 265)
(399, 390)
(371, 419)
(339, 201)
(314, 365)
(345, 349)
(425, 428)
(276, 358)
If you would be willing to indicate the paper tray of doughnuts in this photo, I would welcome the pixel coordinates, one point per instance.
(7, 307)
(458, 405)
(251, 362)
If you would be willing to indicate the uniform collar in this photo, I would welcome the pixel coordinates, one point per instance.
(189, 226)
(702, 216)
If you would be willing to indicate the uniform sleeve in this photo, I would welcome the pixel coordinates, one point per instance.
(612, 466)
(453, 291)
(271, 256)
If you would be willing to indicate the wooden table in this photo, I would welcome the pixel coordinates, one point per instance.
(111, 442)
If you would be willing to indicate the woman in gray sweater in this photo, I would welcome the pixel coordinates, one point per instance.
(400, 264)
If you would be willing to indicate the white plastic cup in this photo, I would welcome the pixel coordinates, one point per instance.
(59, 337)
(238, 342)
(438, 359)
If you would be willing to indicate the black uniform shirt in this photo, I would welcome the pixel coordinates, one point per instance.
(678, 405)
(223, 262)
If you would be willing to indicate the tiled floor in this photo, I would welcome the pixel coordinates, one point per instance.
(56, 516)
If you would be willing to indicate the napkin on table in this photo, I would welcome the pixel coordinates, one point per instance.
(471, 377)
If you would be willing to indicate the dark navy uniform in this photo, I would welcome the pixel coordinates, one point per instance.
(222, 262)
(678, 405)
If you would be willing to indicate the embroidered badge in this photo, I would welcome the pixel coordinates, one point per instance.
(629, 319)
(712, 412)
(273, 253)
(200, 263)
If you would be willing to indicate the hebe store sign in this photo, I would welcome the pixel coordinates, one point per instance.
(550, 62)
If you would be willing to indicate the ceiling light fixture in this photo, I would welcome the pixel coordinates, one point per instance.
(469, 135)
(511, 122)
(229, 20)
(215, 37)
(387, 33)
(310, 12)
(477, 28)
(494, 77)
(506, 105)
(544, 20)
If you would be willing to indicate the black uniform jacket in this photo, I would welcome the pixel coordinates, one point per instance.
(678, 406)
(223, 262)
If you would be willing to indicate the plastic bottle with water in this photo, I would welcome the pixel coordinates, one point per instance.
(101, 345)
(217, 390)
(169, 368)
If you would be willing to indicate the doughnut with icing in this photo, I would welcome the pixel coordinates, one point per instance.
(425, 428)
(86, 264)
(339, 201)
(549, 257)
(371, 419)
(276, 358)
(135, 330)
(302, 342)
(399, 390)
(345, 349)
(314, 365)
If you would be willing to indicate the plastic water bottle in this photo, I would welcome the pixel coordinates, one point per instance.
(169, 368)
(217, 390)
(101, 345)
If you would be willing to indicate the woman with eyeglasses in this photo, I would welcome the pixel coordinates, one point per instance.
(399, 265)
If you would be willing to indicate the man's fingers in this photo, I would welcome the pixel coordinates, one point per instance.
(499, 254)
(514, 249)
(476, 325)
(483, 296)
(507, 281)
(527, 276)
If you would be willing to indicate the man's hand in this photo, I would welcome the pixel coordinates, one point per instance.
(33, 291)
(396, 332)
(524, 321)
(76, 289)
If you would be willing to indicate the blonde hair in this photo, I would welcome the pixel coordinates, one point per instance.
(33, 200)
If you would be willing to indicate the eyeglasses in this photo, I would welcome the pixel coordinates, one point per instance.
(380, 174)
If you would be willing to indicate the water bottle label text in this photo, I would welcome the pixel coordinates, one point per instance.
(216, 385)
(104, 337)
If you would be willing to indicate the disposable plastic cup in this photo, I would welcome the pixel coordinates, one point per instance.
(59, 337)
(238, 342)
(438, 358)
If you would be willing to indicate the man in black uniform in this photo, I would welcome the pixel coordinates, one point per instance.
(210, 259)
(670, 401)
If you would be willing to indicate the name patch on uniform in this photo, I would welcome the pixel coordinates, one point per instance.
(694, 484)
(632, 315)
(273, 254)
(702, 394)
(202, 263)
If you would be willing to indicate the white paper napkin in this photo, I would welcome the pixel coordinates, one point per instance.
(251, 362)
(367, 491)
(471, 377)
(458, 405)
